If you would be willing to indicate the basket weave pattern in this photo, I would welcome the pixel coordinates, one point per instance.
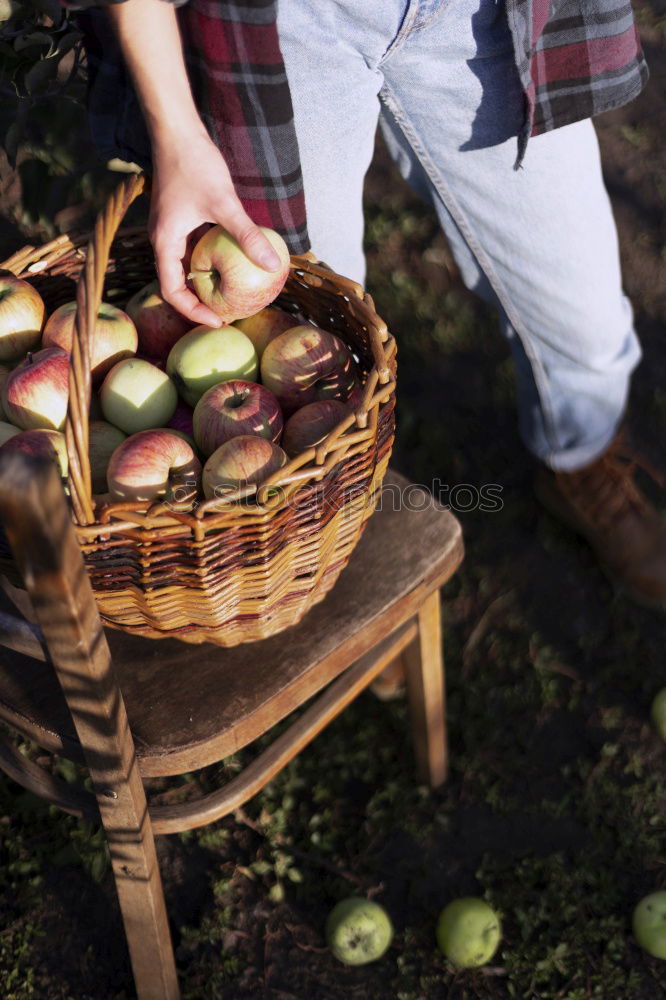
(245, 567)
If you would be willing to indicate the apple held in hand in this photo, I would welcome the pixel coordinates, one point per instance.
(21, 318)
(37, 390)
(233, 408)
(153, 464)
(43, 443)
(265, 326)
(208, 355)
(103, 439)
(468, 932)
(227, 281)
(114, 338)
(158, 324)
(240, 462)
(306, 364)
(649, 924)
(136, 396)
(309, 426)
(358, 931)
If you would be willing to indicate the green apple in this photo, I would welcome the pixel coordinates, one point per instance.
(649, 924)
(137, 396)
(358, 931)
(208, 355)
(468, 932)
(658, 713)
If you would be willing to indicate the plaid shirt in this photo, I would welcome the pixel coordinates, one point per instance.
(575, 59)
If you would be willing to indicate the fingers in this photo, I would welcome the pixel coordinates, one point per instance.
(249, 237)
(168, 257)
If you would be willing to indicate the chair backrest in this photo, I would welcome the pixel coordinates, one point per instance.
(37, 521)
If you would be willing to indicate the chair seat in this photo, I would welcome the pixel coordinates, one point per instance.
(189, 706)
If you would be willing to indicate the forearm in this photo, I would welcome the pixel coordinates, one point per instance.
(150, 41)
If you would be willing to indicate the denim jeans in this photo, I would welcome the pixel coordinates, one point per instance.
(539, 243)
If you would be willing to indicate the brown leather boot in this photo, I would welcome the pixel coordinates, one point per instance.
(603, 503)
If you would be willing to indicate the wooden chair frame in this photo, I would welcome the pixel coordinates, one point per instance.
(69, 633)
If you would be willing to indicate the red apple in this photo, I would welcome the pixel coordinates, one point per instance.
(232, 408)
(158, 324)
(228, 282)
(21, 317)
(241, 462)
(265, 326)
(182, 419)
(114, 338)
(306, 364)
(50, 444)
(37, 390)
(103, 439)
(309, 426)
(153, 464)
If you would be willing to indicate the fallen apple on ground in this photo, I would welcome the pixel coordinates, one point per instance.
(227, 281)
(306, 364)
(265, 326)
(358, 931)
(157, 323)
(309, 426)
(22, 314)
(208, 355)
(233, 408)
(243, 461)
(468, 932)
(36, 391)
(114, 337)
(103, 439)
(649, 923)
(42, 443)
(137, 396)
(153, 464)
(658, 713)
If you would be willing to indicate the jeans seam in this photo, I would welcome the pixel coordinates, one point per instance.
(404, 32)
(540, 377)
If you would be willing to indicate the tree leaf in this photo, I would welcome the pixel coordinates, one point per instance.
(33, 38)
(40, 74)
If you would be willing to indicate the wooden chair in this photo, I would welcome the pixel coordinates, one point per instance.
(129, 708)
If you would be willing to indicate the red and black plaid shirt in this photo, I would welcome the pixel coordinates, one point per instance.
(575, 59)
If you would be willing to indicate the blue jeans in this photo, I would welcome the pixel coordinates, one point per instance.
(539, 243)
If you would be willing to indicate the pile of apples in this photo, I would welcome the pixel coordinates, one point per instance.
(178, 411)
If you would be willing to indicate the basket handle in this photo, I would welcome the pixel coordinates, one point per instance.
(89, 291)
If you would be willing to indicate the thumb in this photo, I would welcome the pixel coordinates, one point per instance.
(250, 238)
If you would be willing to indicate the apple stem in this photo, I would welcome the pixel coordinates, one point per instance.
(29, 357)
(197, 274)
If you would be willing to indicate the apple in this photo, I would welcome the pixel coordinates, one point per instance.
(153, 464)
(233, 408)
(136, 396)
(7, 431)
(265, 326)
(50, 444)
(306, 364)
(229, 282)
(658, 713)
(4, 373)
(182, 418)
(649, 923)
(103, 439)
(468, 932)
(309, 426)
(37, 390)
(114, 336)
(358, 931)
(158, 324)
(22, 314)
(241, 462)
(208, 355)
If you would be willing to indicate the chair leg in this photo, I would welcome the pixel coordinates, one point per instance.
(424, 664)
(139, 887)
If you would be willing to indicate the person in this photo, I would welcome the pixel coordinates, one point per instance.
(265, 113)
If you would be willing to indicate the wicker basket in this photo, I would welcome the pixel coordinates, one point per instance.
(240, 569)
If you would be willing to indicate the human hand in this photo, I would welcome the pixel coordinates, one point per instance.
(192, 188)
